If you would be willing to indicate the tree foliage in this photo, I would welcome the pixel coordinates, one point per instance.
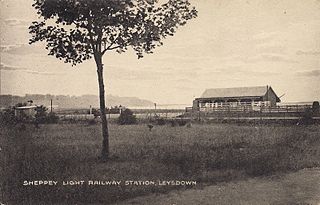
(127, 117)
(20, 104)
(76, 30)
(42, 116)
(7, 117)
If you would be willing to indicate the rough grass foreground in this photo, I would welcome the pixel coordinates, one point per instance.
(204, 153)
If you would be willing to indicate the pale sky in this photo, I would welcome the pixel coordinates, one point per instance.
(232, 43)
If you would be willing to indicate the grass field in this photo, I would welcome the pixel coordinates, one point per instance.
(206, 153)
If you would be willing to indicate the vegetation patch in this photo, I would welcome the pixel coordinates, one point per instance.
(204, 153)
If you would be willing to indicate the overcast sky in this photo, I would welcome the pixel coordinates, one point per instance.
(232, 43)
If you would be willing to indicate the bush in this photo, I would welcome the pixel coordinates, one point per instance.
(126, 117)
(42, 116)
(8, 118)
(315, 107)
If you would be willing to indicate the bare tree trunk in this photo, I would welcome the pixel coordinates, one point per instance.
(104, 125)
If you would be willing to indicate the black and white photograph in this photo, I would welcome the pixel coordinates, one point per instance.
(159, 102)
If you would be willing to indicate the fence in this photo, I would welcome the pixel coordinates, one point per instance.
(147, 115)
(230, 112)
(247, 112)
(263, 109)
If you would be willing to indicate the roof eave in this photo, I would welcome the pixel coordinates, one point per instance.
(207, 98)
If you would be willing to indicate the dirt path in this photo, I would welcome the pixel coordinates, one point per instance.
(302, 187)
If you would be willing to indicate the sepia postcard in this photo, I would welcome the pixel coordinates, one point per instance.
(163, 102)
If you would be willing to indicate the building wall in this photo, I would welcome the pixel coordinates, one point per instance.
(26, 113)
(268, 100)
(195, 105)
(270, 96)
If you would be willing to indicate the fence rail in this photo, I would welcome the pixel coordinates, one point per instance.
(146, 115)
(263, 109)
(281, 111)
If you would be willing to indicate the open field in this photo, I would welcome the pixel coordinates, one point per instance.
(205, 153)
(301, 187)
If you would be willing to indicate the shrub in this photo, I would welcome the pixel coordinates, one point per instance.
(315, 107)
(20, 104)
(8, 118)
(126, 117)
(42, 116)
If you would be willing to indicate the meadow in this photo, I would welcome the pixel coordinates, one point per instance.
(206, 153)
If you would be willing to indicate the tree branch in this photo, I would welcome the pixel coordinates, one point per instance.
(110, 48)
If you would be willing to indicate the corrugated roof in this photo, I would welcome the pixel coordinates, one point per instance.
(26, 107)
(235, 92)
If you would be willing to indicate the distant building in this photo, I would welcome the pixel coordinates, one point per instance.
(234, 97)
(25, 111)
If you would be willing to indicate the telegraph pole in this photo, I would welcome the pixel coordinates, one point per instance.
(51, 106)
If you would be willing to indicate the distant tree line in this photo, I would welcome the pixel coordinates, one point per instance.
(41, 115)
(67, 101)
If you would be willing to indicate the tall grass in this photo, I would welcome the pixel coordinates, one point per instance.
(206, 153)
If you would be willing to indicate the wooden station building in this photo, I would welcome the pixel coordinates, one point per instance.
(235, 97)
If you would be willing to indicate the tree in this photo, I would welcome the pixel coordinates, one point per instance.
(77, 30)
